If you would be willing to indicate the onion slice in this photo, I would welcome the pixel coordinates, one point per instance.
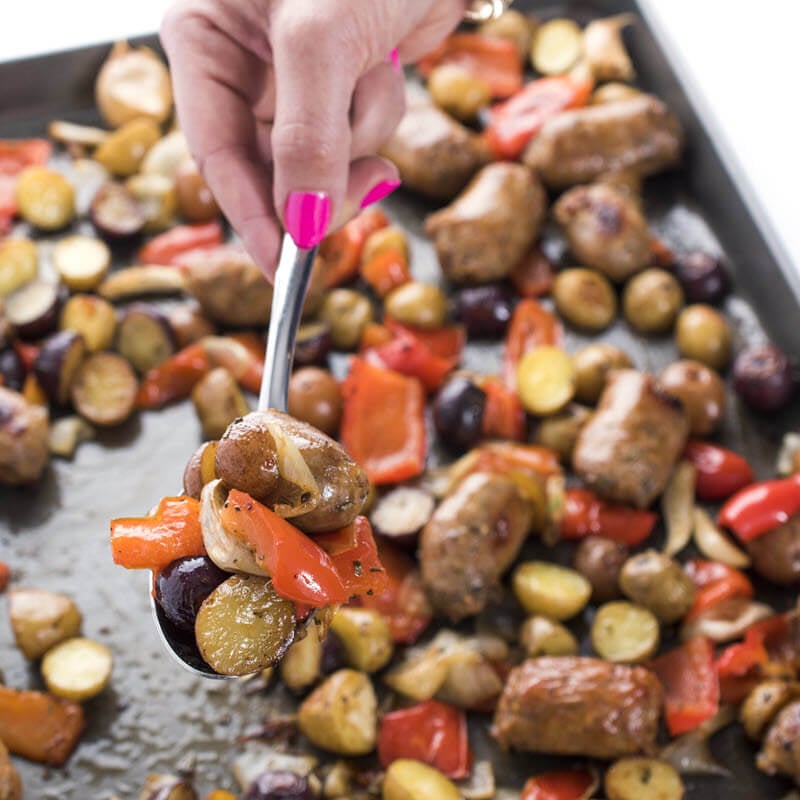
(300, 491)
(726, 620)
(678, 507)
(690, 754)
(714, 544)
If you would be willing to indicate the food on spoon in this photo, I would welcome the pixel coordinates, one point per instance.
(628, 448)
(762, 377)
(34, 308)
(77, 669)
(19, 263)
(41, 619)
(45, 198)
(585, 299)
(104, 389)
(218, 401)
(24, 451)
(200, 469)
(652, 300)
(593, 363)
(486, 231)
(700, 390)
(578, 146)
(606, 229)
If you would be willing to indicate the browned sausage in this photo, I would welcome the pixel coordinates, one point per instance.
(640, 134)
(606, 229)
(470, 540)
(24, 450)
(570, 705)
(487, 230)
(628, 448)
(780, 752)
(435, 155)
(776, 554)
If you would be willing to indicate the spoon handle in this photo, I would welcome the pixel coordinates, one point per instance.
(291, 282)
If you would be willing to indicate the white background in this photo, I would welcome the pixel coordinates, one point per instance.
(744, 56)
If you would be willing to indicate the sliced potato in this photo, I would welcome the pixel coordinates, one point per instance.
(41, 619)
(365, 636)
(546, 380)
(301, 666)
(625, 633)
(407, 779)
(93, 318)
(66, 434)
(122, 152)
(550, 589)
(470, 684)
(643, 779)
(70, 133)
(150, 279)
(557, 46)
(77, 669)
(763, 703)
(104, 389)
(45, 198)
(341, 714)
(541, 636)
(158, 198)
(19, 264)
(82, 261)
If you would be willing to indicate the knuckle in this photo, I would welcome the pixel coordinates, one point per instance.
(302, 142)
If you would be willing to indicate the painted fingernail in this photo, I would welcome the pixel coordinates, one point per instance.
(378, 192)
(308, 215)
(394, 59)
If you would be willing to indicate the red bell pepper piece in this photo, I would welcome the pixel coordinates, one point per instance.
(408, 355)
(299, 568)
(5, 574)
(534, 276)
(586, 514)
(173, 379)
(514, 123)
(715, 582)
(165, 248)
(532, 325)
(503, 415)
(403, 602)
(445, 342)
(761, 507)
(691, 686)
(385, 271)
(155, 541)
(341, 251)
(354, 553)
(720, 472)
(495, 61)
(432, 732)
(383, 422)
(566, 785)
(15, 156)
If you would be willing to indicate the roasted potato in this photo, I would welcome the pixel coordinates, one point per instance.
(700, 389)
(549, 589)
(301, 667)
(542, 636)
(560, 431)
(347, 312)
(652, 300)
(776, 553)
(24, 450)
(341, 714)
(600, 560)
(625, 633)
(763, 703)
(459, 92)
(585, 298)
(407, 779)
(422, 305)
(365, 636)
(41, 619)
(592, 365)
(10, 782)
(77, 669)
(218, 401)
(643, 779)
(200, 469)
(658, 583)
(703, 334)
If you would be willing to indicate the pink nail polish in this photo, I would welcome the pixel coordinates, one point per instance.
(378, 192)
(308, 215)
(394, 59)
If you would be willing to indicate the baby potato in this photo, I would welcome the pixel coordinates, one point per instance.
(77, 669)
(41, 619)
(651, 301)
(422, 305)
(347, 312)
(600, 560)
(703, 334)
(301, 667)
(763, 703)
(613, 92)
(643, 779)
(657, 582)
(124, 149)
(541, 636)
(365, 636)
(700, 390)
(458, 92)
(592, 365)
(218, 401)
(341, 714)
(545, 380)
(560, 431)
(550, 589)
(19, 264)
(625, 633)
(45, 198)
(585, 298)
(407, 779)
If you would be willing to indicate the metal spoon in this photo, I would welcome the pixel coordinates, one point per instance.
(291, 282)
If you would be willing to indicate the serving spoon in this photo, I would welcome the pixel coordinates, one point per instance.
(291, 282)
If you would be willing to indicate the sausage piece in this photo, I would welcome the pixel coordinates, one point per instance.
(24, 450)
(627, 450)
(570, 705)
(639, 134)
(487, 230)
(470, 540)
(435, 155)
(606, 229)
(780, 752)
(776, 554)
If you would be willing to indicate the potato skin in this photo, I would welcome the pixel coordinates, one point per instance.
(658, 583)
(246, 460)
(41, 619)
(776, 554)
(218, 401)
(600, 560)
(24, 452)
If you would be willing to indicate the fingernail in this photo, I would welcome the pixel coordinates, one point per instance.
(394, 59)
(308, 215)
(378, 192)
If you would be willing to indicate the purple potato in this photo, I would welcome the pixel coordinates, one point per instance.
(279, 785)
(182, 587)
(116, 213)
(762, 377)
(12, 369)
(458, 413)
(485, 310)
(34, 309)
(57, 364)
(313, 344)
(333, 655)
(145, 337)
(703, 277)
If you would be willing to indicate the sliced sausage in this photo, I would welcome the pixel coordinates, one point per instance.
(606, 229)
(627, 450)
(640, 134)
(470, 540)
(435, 155)
(487, 230)
(776, 554)
(780, 752)
(570, 705)
(24, 451)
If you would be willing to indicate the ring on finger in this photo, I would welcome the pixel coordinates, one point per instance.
(483, 10)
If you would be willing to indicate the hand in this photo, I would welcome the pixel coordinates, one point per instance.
(285, 103)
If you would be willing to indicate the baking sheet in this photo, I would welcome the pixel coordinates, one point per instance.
(55, 535)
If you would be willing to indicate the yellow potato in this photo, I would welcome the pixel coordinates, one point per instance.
(643, 779)
(77, 669)
(541, 636)
(365, 636)
(551, 590)
(546, 380)
(300, 667)
(407, 779)
(41, 619)
(625, 633)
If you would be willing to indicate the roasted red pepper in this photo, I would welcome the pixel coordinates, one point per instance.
(155, 541)
(16, 155)
(532, 325)
(494, 61)
(720, 472)
(534, 276)
(383, 422)
(715, 582)
(563, 785)
(503, 415)
(432, 732)
(167, 247)
(341, 251)
(761, 507)
(385, 271)
(408, 355)
(514, 123)
(691, 686)
(174, 379)
(445, 342)
(585, 514)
